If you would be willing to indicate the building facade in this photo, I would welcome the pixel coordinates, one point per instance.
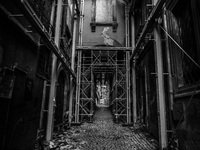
(55, 53)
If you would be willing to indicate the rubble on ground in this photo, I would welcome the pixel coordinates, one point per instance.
(67, 140)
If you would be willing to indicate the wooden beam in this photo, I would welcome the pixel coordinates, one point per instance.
(101, 48)
(148, 24)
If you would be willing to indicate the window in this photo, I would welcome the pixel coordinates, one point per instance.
(104, 11)
(182, 28)
(103, 14)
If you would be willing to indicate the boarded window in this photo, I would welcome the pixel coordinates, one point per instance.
(104, 11)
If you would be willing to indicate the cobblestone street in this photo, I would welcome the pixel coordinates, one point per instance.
(104, 134)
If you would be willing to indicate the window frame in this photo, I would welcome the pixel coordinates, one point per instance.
(185, 89)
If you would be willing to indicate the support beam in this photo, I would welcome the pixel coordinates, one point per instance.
(100, 48)
(160, 90)
(149, 23)
(54, 74)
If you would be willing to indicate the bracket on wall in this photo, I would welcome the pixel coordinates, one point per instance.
(94, 24)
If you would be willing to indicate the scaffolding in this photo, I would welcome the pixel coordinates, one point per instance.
(108, 63)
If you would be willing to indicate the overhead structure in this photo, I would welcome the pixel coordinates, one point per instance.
(96, 64)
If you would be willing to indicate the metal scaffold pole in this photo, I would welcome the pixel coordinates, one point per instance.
(78, 87)
(127, 68)
(72, 65)
(79, 53)
(92, 89)
(116, 94)
(128, 87)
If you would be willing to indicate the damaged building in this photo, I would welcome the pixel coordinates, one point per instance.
(60, 60)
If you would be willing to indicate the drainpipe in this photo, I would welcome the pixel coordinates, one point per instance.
(133, 72)
(72, 65)
(54, 74)
(160, 90)
(160, 87)
(169, 69)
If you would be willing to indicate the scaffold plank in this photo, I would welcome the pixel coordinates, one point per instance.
(103, 48)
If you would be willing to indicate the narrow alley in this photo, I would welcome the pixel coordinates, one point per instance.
(100, 74)
(103, 134)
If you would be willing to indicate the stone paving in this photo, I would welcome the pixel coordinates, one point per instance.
(104, 134)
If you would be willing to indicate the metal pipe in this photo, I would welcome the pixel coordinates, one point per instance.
(72, 66)
(169, 69)
(78, 87)
(133, 73)
(92, 90)
(160, 90)
(127, 66)
(78, 79)
(54, 74)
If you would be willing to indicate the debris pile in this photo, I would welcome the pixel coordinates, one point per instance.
(67, 140)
